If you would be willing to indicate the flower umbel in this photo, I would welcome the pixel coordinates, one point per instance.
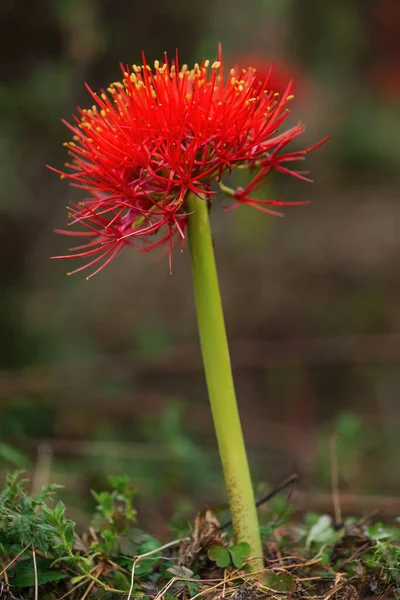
(161, 134)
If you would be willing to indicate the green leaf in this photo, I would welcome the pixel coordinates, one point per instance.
(68, 560)
(146, 565)
(193, 588)
(181, 572)
(121, 582)
(322, 532)
(128, 544)
(379, 531)
(278, 582)
(239, 552)
(50, 516)
(122, 484)
(104, 502)
(59, 511)
(46, 492)
(149, 544)
(220, 556)
(110, 540)
(69, 533)
(24, 575)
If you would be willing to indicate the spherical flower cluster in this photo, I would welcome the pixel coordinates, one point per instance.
(164, 133)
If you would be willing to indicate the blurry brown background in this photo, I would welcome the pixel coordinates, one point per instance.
(104, 377)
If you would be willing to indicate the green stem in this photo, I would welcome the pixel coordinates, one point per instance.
(218, 370)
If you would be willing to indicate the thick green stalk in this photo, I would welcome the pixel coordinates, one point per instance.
(221, 390)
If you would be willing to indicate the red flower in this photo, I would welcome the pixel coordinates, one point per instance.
(164, 133)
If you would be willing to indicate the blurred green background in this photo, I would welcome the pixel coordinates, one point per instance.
(104, 377)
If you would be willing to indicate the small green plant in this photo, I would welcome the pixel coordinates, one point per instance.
(385, 554)
(187, 581)
(387, 557)
(23, 520)
(42, 554)
(234, 555)
(30, 525)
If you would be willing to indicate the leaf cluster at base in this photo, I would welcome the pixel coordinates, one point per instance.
(40, 550)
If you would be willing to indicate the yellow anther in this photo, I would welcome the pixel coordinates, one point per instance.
(206, 64)
(103, 113)
(156, 64)
(216, 65)
(232, 72)
(290, 97)
(103, 97)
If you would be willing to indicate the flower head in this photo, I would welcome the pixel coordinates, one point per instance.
(165, 132)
